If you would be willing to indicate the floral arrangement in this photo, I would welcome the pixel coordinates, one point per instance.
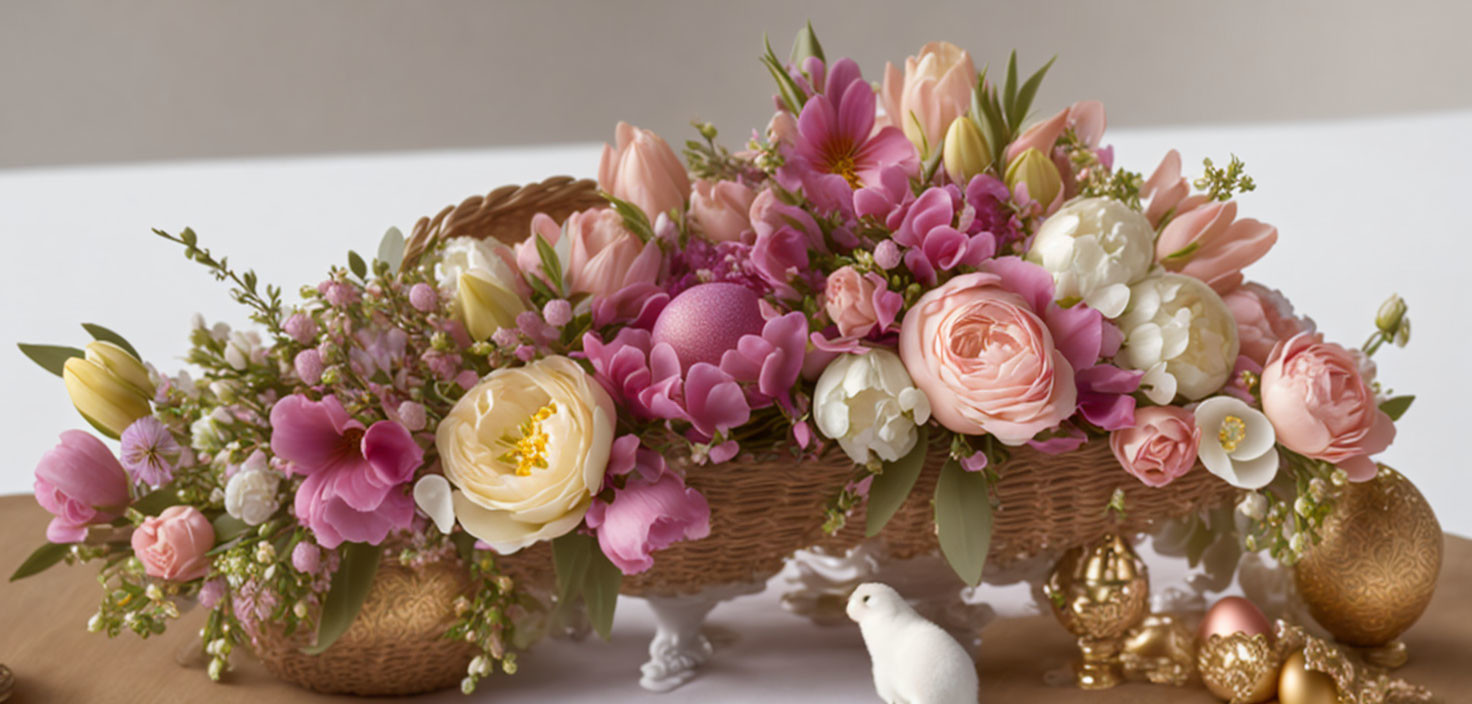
(888, 269)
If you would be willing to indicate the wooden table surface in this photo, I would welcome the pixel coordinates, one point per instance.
(44, 640)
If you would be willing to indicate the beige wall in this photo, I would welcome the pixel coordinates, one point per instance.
(102, 81)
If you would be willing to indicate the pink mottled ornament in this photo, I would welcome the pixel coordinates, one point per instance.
(706, 320)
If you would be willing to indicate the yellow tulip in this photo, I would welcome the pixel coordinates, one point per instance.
(1036, 170)
(485, 304)
(108, 386)
(965, 152)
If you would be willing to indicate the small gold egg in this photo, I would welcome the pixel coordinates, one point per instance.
(1299, 685)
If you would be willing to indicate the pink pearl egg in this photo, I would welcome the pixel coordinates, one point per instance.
(1231, 615)
(706, 320)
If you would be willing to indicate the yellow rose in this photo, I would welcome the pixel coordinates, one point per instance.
(108, 386)
(525, 450)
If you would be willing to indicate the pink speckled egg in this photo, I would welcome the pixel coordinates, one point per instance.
(706, 320)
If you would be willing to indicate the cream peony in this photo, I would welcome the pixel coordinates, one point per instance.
(525, 450)
(1095, 248)
(869, 405)
(1238, 443)
(1178, 326)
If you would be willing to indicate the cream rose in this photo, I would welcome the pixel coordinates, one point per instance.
(525, 451)
(1178, 327)
(869, 405)
(1095, 248)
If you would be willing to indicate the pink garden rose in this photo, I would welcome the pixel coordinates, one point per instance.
(172, 545)
(80, 483)
(602, 256)
(858, 303)
(987, 360)
(719, 209)
(1223, 244)
(1264, 317)
(1321, 407)
(1160, 447)
(643, 170)
(651, 511)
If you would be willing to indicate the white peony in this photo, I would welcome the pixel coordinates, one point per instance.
(868, 403)
(250, 495)
(1238, 443)
(1095, 248)
(1178, 321)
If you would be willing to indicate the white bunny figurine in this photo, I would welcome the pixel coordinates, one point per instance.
(915, 662)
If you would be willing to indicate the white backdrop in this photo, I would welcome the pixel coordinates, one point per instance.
(1364, 208)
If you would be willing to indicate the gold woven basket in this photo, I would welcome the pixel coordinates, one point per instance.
(763, 511)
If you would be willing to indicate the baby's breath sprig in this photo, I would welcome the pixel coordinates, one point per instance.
(267, 307)
(710, 160)
(1221, 184)
(485, 619)
(1285, 517)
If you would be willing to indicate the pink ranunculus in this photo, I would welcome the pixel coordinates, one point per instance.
(720, 210)
(1223, 244)
(79, 482)
(602, 258)
(1321, 407)
(1264, 318)
(935, 89)
(1168, 190)
(653, 510)
(858, 303)
(172, 545)
(987, 360)
(1160, 447)
(355, 476)
(643, 170)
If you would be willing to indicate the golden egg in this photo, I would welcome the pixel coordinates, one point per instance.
(1299, 685)
(1238, 667)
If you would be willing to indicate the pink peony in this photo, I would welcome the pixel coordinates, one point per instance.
(602, 256)
(859, 303)
(1223, 245)
(355, 477)
(986, 360)
(1160, 447)
(1321, 407)
(643, 170)
(80, 483)
(172, 545)
(719, 210)
(651, 511)
(1264, 318)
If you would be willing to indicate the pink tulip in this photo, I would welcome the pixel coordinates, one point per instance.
(1224, 245)
(172, 545)
(935, 89)
(643, 170)
(719, 209)
(1160, 447)
(1168, 191)
(603, 257)
(1086, 117)
(80, 483)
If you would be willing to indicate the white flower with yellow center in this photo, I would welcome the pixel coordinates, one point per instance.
(1237, 442)
(524, 451)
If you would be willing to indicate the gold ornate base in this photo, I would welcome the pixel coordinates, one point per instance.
(1099, 668)
(1390, 656)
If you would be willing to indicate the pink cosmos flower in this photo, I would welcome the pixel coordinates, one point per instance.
(652, 510)
(353, 491)
(836, 137)
(79, 482)
(1160, 446)
(1223, 245)
(1320, 405)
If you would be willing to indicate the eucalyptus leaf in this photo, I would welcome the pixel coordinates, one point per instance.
(1397, 407)
(963, 520)
(345, 597)
(52, 358)
(391, 249)
(892, 486)
(156, 501)
(356, 265)
(101, 333)
(571, 555)
(42, 559)
(600, 591)
(228, 527)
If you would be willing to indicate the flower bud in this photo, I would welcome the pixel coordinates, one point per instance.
(1035, 169)
(108, 386)
(485, 304)
(965, 152)
(1403, 333)
(1390, 314)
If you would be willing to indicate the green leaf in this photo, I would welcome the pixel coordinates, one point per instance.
(1397, 407)
(228, 527)
(600, 591)
(156, 501)
(634, 217)
(1029, 90)
(892, 486)
(355, 263)
(1183, 253)
(101, 333)
(791, 95)
(963, 520)
(539, 285)
(806, 45)
(391, 249)
(551, 265)
(52, 358)
(1009, 89)
(464, 545)
(346, 595)
(571, 554)
(41, 560)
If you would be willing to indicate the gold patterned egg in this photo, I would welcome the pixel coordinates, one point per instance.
(1374, 570)
(1239, 667)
